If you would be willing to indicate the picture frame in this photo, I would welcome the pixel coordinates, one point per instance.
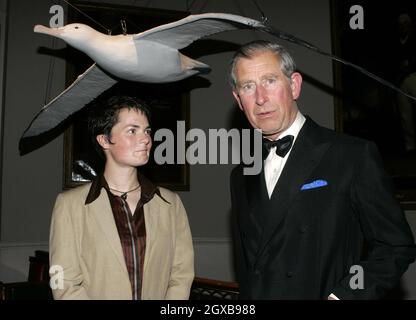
(168, 102)
(364, 107)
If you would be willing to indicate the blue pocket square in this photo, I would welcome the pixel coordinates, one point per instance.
(314, 184)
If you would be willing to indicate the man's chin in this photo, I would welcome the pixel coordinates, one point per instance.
(267, 131)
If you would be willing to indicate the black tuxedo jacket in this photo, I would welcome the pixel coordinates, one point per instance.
(332, 224)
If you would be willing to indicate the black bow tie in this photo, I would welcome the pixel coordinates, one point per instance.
(282, 145)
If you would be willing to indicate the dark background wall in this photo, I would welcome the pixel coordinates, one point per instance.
(31, 182)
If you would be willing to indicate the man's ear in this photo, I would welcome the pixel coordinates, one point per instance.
(102, 140)
(296, 84)
(237, 98)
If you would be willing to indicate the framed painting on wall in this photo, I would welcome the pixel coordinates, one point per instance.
(385, 45)
(168, 102)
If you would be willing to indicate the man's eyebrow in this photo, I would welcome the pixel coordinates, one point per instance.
(269, 75)
(240, 83)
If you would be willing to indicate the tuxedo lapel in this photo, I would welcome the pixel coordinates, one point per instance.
(102, 213)
(249, 195)
(255, 187)
(307, 151)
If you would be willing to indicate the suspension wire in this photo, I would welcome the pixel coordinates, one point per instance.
(189, 5)
(50, 74)
(89, 17)
(51, 66)
(263, 16)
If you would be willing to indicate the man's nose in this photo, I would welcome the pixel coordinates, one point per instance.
(261, 95)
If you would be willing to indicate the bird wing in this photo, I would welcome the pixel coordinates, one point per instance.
(83, 90)
(182, 33)
(291, 38)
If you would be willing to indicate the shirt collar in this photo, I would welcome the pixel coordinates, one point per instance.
(148, 189)
(295, 127)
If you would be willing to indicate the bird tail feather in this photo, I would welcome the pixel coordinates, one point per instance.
(191, 64)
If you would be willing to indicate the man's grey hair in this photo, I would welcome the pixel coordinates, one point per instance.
(287, 63)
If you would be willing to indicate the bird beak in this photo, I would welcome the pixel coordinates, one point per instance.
(55, 32)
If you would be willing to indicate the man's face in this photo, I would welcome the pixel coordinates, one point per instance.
(265, 94)
(131, 140)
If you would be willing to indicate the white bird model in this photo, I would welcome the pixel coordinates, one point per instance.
(151, 56)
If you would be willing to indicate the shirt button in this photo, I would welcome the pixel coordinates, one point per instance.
(257, 272)
(303, 229)
(289, 274)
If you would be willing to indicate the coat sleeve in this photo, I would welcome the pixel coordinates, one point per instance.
(390, 240)
(182, 273)
(66, 275)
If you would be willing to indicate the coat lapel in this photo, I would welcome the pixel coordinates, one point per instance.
(101, 210)
(151, 217)
(251, 225)
(255, 187)
(307, 152)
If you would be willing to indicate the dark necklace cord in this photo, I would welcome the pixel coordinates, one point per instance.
(124, 193)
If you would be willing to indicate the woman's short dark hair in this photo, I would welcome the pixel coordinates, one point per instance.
(104, 116)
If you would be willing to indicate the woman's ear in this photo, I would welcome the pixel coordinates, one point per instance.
(103, 141)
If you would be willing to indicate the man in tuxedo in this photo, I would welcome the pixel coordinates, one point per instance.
(320, 220)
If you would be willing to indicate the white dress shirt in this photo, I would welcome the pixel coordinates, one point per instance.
(274, 164)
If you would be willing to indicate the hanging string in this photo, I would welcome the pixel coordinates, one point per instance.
(50, 74)
(51, 67)
(263, 16)
(189, 5)
(89, 17)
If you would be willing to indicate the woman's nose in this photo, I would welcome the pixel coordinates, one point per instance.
(145, 138)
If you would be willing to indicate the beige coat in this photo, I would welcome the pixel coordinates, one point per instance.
(84, 240)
